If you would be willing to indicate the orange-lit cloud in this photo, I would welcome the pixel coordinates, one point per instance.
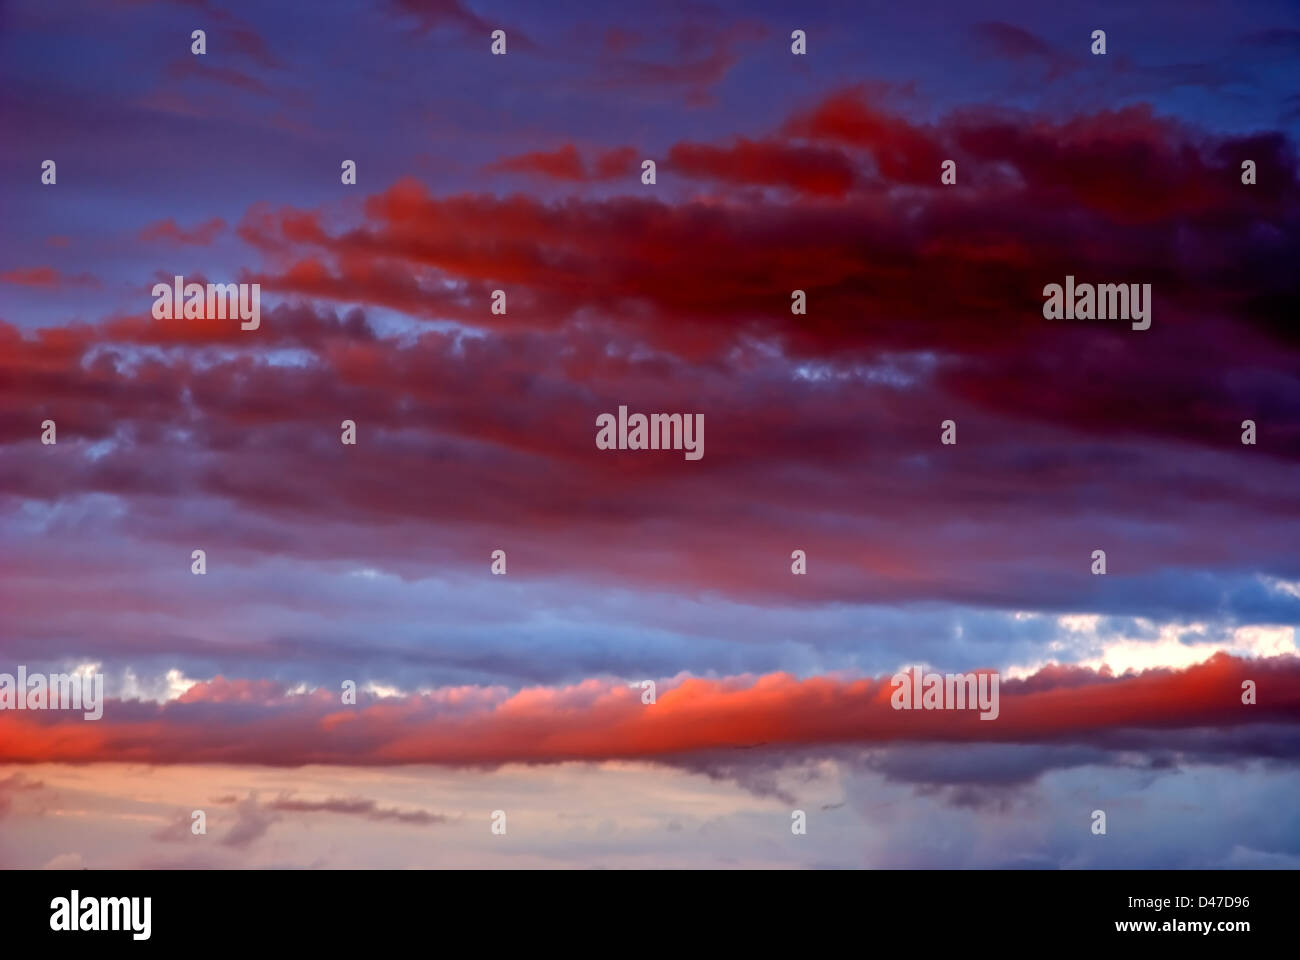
(254, 722)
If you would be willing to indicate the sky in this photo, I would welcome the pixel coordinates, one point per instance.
(371, 563)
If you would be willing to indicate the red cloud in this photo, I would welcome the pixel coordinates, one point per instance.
(192, 68)
(924, 305)
(432, 14)
(1011, 42)
(201, 235)
(32, 277)
(47, 278)
(567, 164)
(902, 151)
(599, 720)
(562, 164)
(766, 163)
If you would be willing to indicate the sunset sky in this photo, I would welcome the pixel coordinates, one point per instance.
(370, 563)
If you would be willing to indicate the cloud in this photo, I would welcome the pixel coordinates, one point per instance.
(561, 164)
(176, 830)
(596, 720)
(46, 278)
(354, 806)
(566, 163)
(252, 821)
(65, 861)
(432, 14)
(903, 151)
(454, 15)
(192, 68)
(168, 230)
(807, 170)
(924, 306)
(12, 785)
(1004, 40)
(687, 59)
